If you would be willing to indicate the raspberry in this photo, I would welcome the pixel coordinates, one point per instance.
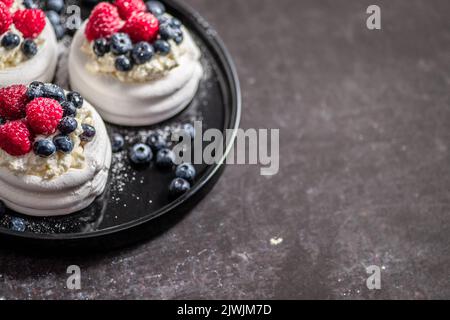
(13, 100)
(7, 3)
(15, 138)
(30, 22)
(128, 7)
(43, 115)
(141, 26)
(5, 18)
(103, 22)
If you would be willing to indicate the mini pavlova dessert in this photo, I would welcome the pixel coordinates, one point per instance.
(135, 63)
(55, 153)
(28, 47)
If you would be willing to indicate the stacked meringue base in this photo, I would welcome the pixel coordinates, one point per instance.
(137, 104)
(68, 193)
(41, 67)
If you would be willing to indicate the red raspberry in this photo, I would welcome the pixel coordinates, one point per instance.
(5, 18)
(30, 22)
(13, 100)
(43, 115)
(15, 138)
(142, 26)
(103, 22)
(128, 7)
(7, 3)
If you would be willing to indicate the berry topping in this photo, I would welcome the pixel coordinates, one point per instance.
(128, 7)
(165, 158)
(13, 100)
(29, 48)
(30, 22)
(117, 142)
(185, 171)
(7, 3)
(179, 186)
(140, 154)
(155, 7)
(67, 125)
(10, 41)
(15, 138)
(120, 44)
(88, 132)
(141, 26)
(167, 32)
(69, 109)
(35, 90)
(75, 98)
(30, 4)
(142, 52)
(63, 143)
(5, 18)
(101, 47)
(54, 17)
(44, 148)
(44, 115)
(53, 91)
(123, 63)
(103, 22)
(162, 47)
(55, 5)
(156, 141)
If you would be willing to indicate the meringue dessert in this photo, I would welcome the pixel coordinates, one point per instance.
(55, 152)
(135, 63)
(28, 47)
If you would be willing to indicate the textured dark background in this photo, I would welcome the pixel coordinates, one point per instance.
(364, 118)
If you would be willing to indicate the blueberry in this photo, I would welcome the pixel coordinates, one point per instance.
(29, 48)
(44, 148)
(69, 109)
(156, 141)
(67, 125)
(55, 5)
(101, 47)
(123, 64)
(165, 158)
(54, 17)
(10, 41)
(179, 39)
(75, 98)
(179, 186)
(120, 43)
(53, 91)
(60, 31)
(189, 129)
(2, 208)
(140, 154)
(155, 7)
(63, 143)
(142, 52)
(18, 224)
(167, 32)
(88, 132)
(30, 4)
(162, 47)
(163, 19)
(117, 142)
(175, 23)
(35, 90)
(185, 171)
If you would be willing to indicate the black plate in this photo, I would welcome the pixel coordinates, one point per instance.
(136, 204)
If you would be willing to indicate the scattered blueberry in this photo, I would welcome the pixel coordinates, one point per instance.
(2, 208)
(179, 186)
(88, 132)
(165, 158)
(185, 171)
(167, 32)
(162, 47)
(67, 125)
(189, 129)
(117, 142)
(155, 7)
(63, 143)
(101, 47)
(55, 5)
(53, 17)
(163, 19)
(156, 141)
(29, 48)
(44, 148)
(18, 224)
(140, 154)
(60, 31)
(75, 98)
(175, 23)
(69, 109)
(53, 91)
(142, 52)
(120, 43)
(123, 64)
(179, 39)
(35, 90)
(30, 4)
(10, 41)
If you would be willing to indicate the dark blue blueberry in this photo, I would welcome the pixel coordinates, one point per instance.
(140, 154)
(60, 31)
(179, 186)
(10, 41)
(120, 43)
(162, 47)
(2, 208)
(55, 5)
(35, 90)
(155, 7)
(18, 224)
(189, 129)
(142, 52)
(67, 125)
(44, 148)
(75, 98)
(63, 143)
(167, 32)
(185, 171)
(156, 141)
(29, 48)
(54, 17)
(179, 39)
(69, 109)
(53, 91)
(101, 47)
(163, 19)
(117, 142)
(175, 23)
(123, 64)
(88, 132)
(30, 4)
(165, 158)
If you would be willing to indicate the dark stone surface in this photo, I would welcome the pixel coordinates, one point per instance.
(364, 118)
